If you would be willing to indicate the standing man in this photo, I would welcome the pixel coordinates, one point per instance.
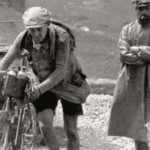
(130, 114)
(51, 57)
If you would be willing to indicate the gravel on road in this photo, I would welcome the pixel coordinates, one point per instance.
(93, 126)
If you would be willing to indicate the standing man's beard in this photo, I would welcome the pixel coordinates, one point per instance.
(144, 20)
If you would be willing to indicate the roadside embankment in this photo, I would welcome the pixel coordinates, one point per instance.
(102, 86)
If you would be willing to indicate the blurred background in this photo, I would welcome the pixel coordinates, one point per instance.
(95, 23)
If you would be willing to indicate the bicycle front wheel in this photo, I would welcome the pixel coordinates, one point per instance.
(5, 126)
(29, 130)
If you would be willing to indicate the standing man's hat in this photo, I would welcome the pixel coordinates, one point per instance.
(35, 17)
(141, 3)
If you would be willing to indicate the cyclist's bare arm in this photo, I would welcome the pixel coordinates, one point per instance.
(12, 53)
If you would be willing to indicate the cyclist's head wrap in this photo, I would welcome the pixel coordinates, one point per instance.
(35, 17)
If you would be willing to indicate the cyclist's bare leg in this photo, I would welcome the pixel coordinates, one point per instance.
(70, 125)
(45, 119)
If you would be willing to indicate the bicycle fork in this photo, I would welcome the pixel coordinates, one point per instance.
(18, 132)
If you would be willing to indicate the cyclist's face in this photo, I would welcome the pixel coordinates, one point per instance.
(39, 33)
(143, 14)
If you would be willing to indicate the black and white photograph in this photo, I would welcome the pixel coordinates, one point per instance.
(74, 74)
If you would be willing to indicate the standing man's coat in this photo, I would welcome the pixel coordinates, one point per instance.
(130, 114)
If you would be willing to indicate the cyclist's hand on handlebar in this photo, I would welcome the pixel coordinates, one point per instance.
(34, 94)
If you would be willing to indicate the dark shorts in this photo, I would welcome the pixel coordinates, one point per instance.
(48, 100)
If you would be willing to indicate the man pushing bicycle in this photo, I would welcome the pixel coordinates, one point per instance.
(52, 60)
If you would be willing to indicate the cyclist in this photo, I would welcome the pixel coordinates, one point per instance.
(53, 62)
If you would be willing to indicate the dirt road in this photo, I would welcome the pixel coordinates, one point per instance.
(93, 125)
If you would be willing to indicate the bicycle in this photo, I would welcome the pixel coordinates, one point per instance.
(18, 123)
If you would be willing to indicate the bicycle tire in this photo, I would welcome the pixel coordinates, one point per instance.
(30, 130)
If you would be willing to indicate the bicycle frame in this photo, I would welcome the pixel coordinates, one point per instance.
(18, 141)
(23, 110)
